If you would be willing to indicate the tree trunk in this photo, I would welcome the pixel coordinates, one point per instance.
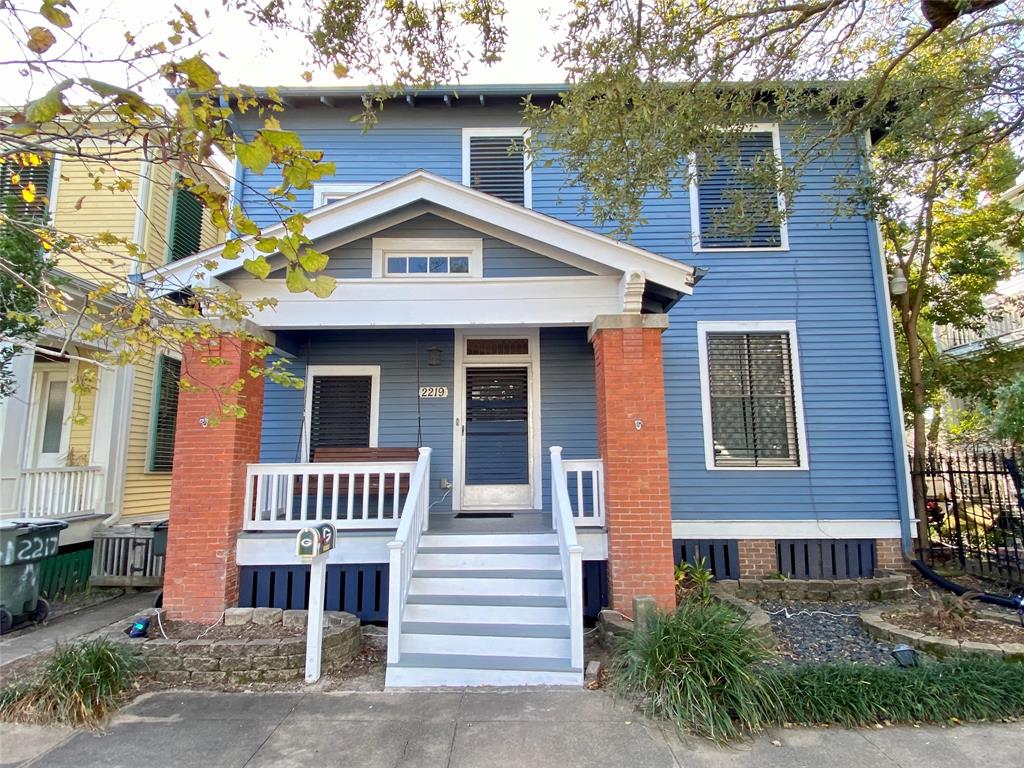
(920, 428)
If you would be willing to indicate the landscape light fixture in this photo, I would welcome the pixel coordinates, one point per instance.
(905, 656)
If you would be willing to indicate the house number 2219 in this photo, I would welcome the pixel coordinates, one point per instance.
(433, 392)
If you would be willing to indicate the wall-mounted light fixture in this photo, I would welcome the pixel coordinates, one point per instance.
(433, 356)
(898, 282)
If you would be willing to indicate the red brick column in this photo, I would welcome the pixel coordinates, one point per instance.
(632, 440)
(208, 484)
(889, 554)
(758, 558)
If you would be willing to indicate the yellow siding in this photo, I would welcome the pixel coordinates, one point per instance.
(86, 212)
(145, 492)
(82, 416)
(157, 237)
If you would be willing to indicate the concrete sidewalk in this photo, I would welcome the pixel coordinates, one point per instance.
(466, 729)
(32, 640)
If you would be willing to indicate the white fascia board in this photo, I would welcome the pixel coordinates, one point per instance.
(409, 302)
(422, 186)
(785, 529)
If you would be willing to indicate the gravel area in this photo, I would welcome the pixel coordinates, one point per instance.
(822, 632)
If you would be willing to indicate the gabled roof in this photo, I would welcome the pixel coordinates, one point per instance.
(441, 194)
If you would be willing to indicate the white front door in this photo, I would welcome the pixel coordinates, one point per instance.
(497, 424)
(51, 423)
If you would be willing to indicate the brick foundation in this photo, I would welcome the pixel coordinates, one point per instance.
(208, 485)
(633, 443)
(758, 558)
(889, 554)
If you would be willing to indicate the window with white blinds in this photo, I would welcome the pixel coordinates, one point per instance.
(165, 414)
(732, 206)
(752, 402)
(494, 161)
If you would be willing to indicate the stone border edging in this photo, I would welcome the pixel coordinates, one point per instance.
(885, 586)
(259, 660)
(877, 627)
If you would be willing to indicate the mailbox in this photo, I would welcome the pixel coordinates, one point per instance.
(307, 544)
(328, 535)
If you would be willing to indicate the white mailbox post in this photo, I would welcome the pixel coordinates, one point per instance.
(312, 546)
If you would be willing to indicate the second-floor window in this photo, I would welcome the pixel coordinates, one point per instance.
(186, 235)
(751, 396)
(165, 413)
(494, 161)
(18, 175)
(734, 203)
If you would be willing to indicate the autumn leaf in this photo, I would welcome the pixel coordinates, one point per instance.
(28, 193)
(313, 261)
(296, 280)
(48, 106)
(255, 156)
(232, 249)
(52, 12)
(40, 39)
(340, 71)
(200, 74)
(258, 266)
(307, 75)
(323, 286)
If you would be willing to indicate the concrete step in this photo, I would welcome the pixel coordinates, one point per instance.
(431, 669)
(430, 561)
(523, 616)
(485, 645)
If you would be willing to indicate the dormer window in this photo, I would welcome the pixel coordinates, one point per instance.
(330, 192)
(414, 257)
(494, 161)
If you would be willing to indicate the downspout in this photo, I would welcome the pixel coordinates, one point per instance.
(904, 492)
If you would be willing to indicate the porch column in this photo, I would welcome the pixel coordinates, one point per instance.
(208, 482)
(109, 448)
(633, 442)
(14, 425)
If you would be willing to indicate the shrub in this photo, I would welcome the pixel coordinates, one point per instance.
(80, 685)
(850, 695)
(697, 667)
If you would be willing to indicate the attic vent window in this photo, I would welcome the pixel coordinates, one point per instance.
(494, 161)
(410, 257)
(186, 224)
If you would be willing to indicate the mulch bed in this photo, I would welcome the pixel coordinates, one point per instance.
(186, 630)
(811, 632)
(977, 629)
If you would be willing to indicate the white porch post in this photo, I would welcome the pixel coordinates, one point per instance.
(112, 416)
(14, 421)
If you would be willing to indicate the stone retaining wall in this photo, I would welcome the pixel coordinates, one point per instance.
(878, 628)
(885, 586)
(263, 660)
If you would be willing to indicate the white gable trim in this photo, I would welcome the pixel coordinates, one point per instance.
(422, 186)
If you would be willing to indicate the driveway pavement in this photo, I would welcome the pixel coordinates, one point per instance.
(470, 729)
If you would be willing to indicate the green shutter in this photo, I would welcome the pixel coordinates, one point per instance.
(39, 175)
(186, 225)
(165, 416)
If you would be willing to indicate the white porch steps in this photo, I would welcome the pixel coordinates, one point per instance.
(485, 609)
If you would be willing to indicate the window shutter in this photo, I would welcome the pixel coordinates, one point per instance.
(38, 175)
(186, 225)
(720, 187)
(340, 412)
(753, 415)
(497, 167)
(165, 419)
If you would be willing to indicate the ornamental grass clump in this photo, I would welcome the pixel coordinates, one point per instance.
(854, 695)
(80, 685)
(697, 666)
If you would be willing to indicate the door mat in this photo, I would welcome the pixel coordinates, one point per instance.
(475, 515)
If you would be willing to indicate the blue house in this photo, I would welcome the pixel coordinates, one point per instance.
(514, 420)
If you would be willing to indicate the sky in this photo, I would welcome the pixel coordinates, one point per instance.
(254, 56)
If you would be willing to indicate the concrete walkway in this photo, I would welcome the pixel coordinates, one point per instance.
(32, 640)
(471, 729)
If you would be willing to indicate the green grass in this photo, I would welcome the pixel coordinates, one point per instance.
(849, 695)
(697, 667)
(80, 685)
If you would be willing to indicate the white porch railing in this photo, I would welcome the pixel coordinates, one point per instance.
(351, 494)
(585, 478)
(415, 519)
(570, 552)
(59, 491)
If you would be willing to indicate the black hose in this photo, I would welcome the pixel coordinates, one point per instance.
(956, 589)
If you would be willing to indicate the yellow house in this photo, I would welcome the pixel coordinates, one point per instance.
(87, 442)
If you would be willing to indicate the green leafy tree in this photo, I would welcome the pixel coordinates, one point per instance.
(1008, 416)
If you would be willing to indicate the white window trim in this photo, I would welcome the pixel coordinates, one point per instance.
(469, 133)
(473, 247)
(373, 371)
(704, 327)
(324, 189)
(695, 234)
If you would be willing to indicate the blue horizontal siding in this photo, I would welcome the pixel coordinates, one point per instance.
(824, 281)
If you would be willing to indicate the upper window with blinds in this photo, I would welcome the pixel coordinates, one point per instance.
(494, 161)
(734, 201)
(753, 414)
(25, 185)
(186, 235)
(165, 414)
(341, 407)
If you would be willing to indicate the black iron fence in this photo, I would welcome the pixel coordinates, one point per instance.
(975, 512)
